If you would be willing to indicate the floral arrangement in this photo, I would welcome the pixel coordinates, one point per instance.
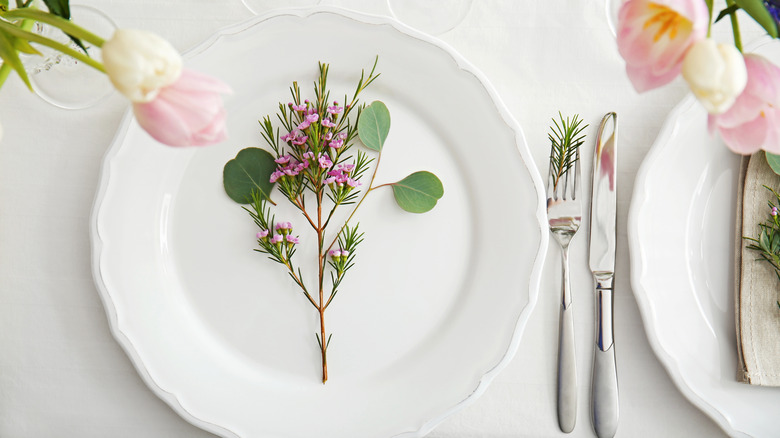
(176, 106)
(662, 39)
(311, 156)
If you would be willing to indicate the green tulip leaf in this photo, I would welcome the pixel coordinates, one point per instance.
(251, 170)
(60, 8)
(759, 12)
(774, 162)
(374, 125)
(418, 192)
(10, 56)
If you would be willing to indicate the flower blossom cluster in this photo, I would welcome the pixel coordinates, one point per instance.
(283, 234)
(337, 176)
(340, 177)
(661, 40)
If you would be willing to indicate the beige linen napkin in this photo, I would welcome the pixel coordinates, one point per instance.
(757, 286)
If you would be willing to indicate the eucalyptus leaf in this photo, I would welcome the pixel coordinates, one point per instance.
(757, 10)
(774, 162)
(374, 125)
(418, 192)
(250, 170)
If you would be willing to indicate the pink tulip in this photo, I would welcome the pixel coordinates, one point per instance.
(653, 37)
(753, 121)
(188, 112)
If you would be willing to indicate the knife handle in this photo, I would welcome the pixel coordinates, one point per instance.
(604, 391)
(567, 371)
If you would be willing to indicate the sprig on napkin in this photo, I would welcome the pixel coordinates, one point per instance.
(768, 241)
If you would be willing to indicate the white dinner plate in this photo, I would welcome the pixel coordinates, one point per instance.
(681, 241)
(436, 303)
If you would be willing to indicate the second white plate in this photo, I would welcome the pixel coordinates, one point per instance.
(681, 240)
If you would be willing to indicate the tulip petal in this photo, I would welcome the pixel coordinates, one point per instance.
(189, 112)
(746, 138)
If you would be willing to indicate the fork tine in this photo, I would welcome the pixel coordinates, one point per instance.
(551, 182)
(577, 176)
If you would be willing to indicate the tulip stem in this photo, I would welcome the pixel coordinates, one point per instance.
(735, 26)
(35, 38)
(66, 26)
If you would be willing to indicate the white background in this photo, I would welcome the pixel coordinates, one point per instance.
(63, 375)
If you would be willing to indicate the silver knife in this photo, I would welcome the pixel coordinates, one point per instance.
(603, 216)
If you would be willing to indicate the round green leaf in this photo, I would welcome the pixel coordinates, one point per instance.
(418, 192)
(250, 170)
(373, 126)
(774, 162)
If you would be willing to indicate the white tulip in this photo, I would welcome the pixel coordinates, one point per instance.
(140, 63)
(716, 74)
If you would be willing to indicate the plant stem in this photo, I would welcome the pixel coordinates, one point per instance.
(370, 184)
(64, 25)
(735, 26)
(35, 38)
(321, 275)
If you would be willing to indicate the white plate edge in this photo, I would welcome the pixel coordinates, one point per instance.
(463, 64)
(646, 310)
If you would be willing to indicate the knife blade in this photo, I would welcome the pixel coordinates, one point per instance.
(603, 237)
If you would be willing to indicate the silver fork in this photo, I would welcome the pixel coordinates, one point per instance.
(564, 214)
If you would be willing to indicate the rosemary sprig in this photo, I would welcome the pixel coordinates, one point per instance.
(565, 138)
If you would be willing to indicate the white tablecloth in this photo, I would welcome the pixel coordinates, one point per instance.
(63, 375)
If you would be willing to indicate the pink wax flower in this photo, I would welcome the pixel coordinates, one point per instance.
(300, 140)
(276, 175)
(311, 118)
(753, 121)
(335, 144)
(301, 107)
(308, 155)
(278, 238)
(328, 136)
(353, 183)
(325, 161)
(335, 253)
(292, 240)
(654, 36)
(346, 168)
(303, 125)
(188, 112)
(335, 109)
(774, 211)
(284, 159)
(330, 180)
(283, 226)
(344, 253)
(290, 136)
(262, 234)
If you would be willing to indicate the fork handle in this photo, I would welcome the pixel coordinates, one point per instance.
(567, 365)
